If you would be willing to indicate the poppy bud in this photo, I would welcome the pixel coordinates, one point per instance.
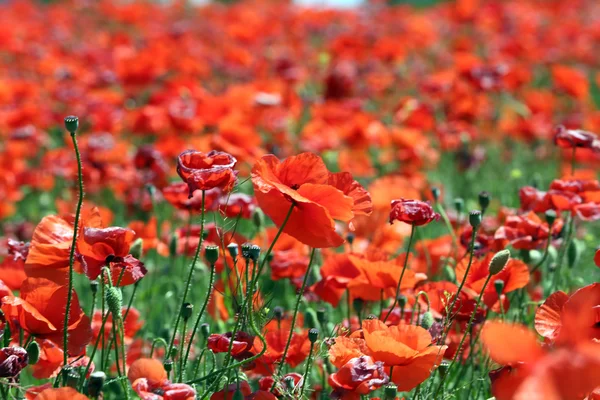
(136, 248)
(96, 383)
(238, 395)
(459, 205)
(233, 250)
(573, 253)
(475, 218)
(211, 253)
(278, 313)
(173, 246)
(289, 383)
(33, 352)
(484, 201)
(499, 286)
(389, 392)
(186, 311)
(258, 217)
(350, 238)
(322, 316)
(168, 364)
(402, 301)
(205, 330)
(550, 217)
(435, 192)
(310, 318)
(427, 320)
(450, 273)
(94, 286)
(358, 305)
(499, 261)
(114, 299)
(71, 123)
(313, 335)
(254, 252)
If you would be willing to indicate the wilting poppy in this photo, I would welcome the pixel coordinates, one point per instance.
(571, 138)
(12, 360)
(149, 380)
(39, 311)
(204, 171)
(318, 197)
(412, 212)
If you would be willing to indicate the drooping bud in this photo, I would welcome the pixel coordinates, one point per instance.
(499, 261)
(96, 383)
(71, 123)
(211, 253)
(33, 352)
(313, 335)
(114, 300)
(475, 218)
(136, 248)
(186, 311)
(484, 201)
(427, 320)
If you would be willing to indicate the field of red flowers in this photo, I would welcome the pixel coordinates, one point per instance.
(257, 200)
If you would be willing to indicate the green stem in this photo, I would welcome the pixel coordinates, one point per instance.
(307, 370)
(72, 250)
(181, 363)
(94, 349)
(211, 283)
(412, 234)
(296, 308)
(189, 278)
(279, 232)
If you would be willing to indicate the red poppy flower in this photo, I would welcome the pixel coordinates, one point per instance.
(276, 343)
(266, 383)
(570, 138)
(178, 195)
(597, 258)
(12, 267)
(204, 171)
(12, 361)
(336, 273)
(60, 394)
(359, 376)
(412, 212)
(98, 247)
(51, 360)
(242, 343)
(527, 231)
(318, 196)
(149, 380)
(39, 311)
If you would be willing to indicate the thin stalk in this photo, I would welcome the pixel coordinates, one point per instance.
(189, 278)
(309, 362)
(181, 363)
(279, 232)
(72, 250)
(412, 234)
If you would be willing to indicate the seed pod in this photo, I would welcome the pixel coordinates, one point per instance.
(499, 261)
(233, 250)
(550, 217)
(186, 311)
(168, 365)
(313, 335)
(254, 252)
(350, 238)
(402, 301)
(94, 286)
(499, 286)
(390, 391)
(475, 218)
(484, 200)
(211, 253)
(71, 123)
(205, 330)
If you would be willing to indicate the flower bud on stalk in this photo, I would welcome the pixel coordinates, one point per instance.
(484, 201)
(211, 253)
(313, 335)
(33, 352)
(499, 261)
(114, 300)
(71, 124)
(475, 218)
(136, 248)
(96, 383)
(390, 391)
(427, 320)
(186, 311)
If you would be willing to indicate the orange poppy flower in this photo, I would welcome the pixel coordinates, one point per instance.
(60, 394)
(51, 360)
(39, 312)
(12, 267)
(149, 380)
(570, 80)
(533, 372)
(204, 171)
(336, 273)
(317, 195)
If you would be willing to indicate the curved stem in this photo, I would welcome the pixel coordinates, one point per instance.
(412, 234)
(298, 300)
(211, 283)
(72, 250)
(189, 278)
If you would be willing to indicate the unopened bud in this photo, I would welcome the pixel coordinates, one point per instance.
(475, 218)
(168, 365)
(94, 286)
(313, 335)
(573, 254)
(402, 301)
(459, 205)
(246, 250)
(33, 353)
(499, 261)
(427, 320)
(211, 253)
(499, 286)
(550, 217)
(435, 192)
(278, 313)
(173, 245)
(484, 200)
(71, 123)
(114, 300)
(136, 248)
(205, 330)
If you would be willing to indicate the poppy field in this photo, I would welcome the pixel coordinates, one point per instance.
(259, 200)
